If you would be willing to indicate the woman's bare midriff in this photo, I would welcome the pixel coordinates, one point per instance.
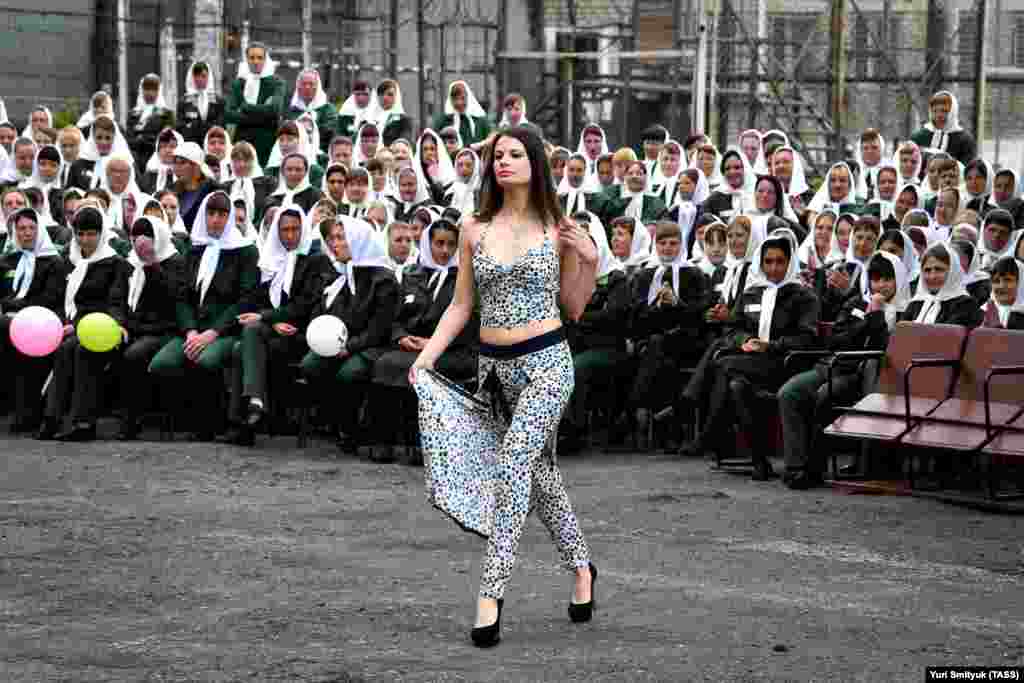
(501, 336)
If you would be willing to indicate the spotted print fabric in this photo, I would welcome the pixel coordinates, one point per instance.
(522, 292)
(487, 476)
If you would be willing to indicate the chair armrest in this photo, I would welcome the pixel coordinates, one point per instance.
(922, 363)
(795, 355)
(997, 371)
(855, 356)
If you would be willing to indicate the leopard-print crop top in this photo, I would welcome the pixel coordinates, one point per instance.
(519, 293)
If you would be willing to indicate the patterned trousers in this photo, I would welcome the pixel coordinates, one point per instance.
(536, 387)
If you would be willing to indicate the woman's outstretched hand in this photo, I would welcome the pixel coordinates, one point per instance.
(420, 364)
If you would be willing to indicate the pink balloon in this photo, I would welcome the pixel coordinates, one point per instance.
(36, 331)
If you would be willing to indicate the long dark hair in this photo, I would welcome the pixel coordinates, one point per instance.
(543, 199)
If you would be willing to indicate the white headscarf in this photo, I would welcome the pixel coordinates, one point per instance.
(974, 272)
(26, 268)
(319, 97)
(367, 114)
(911, 264)
(37, 180)
(282, 183)
(463, 193)
(823, 197)
(251, 88)
(422, 194)
(367, 249)
(1018, 304)
(446, 171)
(761, 165)
(81, 265)
(639, 247)
(753, 132)
(731, 282)
(243, 186)
(716, 180)
(116, 210)
(700, 193)
(426, 258)
(658, 177)
(305, 148)
(798, 180)
(358, 158)
(661, 267)
(382, 115)
(473, 108)
(952, 288)
(4, 119)
(164, 249)
(89, 117)
(231, 238)
(916, 178)
(989, 256)
(582, 149)
(277, 264)
(808, 252)
(147, 110)
(898, 303)
(91, 153)
(986, 193)
(940, 136)
(576, 197)
(163, 171)
(28, 131)
(872, 171)
(504, 115)
(226, 171)
(202, 97)
(606, 261)
(770, 293)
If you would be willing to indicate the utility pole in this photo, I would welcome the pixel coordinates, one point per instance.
(980, 73)
(700, 74)
(122, 60)
(837, 99)
(393, 39)
(307, 33)
(421, 57)
(935, 48)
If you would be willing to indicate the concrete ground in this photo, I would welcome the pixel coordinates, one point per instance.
(188, 562)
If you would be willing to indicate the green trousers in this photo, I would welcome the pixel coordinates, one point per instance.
(171, 360)
(352, 372)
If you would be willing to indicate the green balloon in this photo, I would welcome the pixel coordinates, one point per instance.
(98, 332)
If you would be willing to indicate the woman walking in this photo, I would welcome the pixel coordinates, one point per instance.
(523, 259)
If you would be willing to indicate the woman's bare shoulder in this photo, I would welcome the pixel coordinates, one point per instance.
(470, 227)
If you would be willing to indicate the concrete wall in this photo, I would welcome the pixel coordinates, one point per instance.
(46, 58)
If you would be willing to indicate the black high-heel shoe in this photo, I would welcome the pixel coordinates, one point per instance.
(583, 612)
(488, 636)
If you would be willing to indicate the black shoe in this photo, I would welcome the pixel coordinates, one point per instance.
(202, 436)
(384, 455)
(24, 426)
(78, 434)
(583, 612)
(255, 416)
(240, 436)
(48, 429)
(763, 471)
(693, 449)
(801, 481)
(347, 444)
(488, 636)
(129, 431)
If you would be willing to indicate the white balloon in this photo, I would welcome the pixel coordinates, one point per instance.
(327, 336)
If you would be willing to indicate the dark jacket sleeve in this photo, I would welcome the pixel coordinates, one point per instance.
(964, 311)
(378, 331)
(304, 297)
(857, 329)
(803, 333)
(164, 281)
(248, 281)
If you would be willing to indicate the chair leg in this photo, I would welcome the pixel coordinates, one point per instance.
(304, 403)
